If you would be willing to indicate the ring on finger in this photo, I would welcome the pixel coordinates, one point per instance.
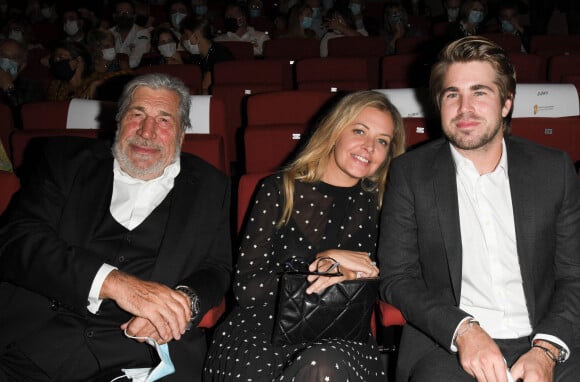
(358, 275)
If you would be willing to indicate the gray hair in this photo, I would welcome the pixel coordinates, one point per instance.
(157, 81)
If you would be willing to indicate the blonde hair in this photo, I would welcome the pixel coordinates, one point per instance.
(312, 161)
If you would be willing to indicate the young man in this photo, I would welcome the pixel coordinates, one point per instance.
(105, 243)
(480, 236)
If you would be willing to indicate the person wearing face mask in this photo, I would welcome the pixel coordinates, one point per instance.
(258, 17)
(318, 13)
(130, 38)
(237, 28)
(197, 40)
(396, 25)
(177, 11)
(199, 8)
(509, 22)
(19, 29)
(164, 48)
(111, 247)
(471, 20)
(450, 12)
(14, 88)
(70, 65)
(109, 72)
(73, 26)
(357, 8)
(143, 16)
(300, 22)
(339, 22)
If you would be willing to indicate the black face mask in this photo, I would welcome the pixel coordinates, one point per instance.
(125, 22)
(231, 24)
(61, 69)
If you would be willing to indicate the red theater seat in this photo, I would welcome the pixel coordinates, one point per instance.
(277, 122)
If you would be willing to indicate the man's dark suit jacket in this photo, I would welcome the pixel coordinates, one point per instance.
(46, 272)
(420, 244)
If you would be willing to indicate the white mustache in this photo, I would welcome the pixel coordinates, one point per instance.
(138, 141)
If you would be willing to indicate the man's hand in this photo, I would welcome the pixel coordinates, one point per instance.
(167, 310)
(142, 328)
(479, 355)
(534, 366)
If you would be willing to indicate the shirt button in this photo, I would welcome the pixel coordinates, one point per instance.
(89, 333)
(121, 259)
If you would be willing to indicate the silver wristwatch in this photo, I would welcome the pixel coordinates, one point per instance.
(194, 299)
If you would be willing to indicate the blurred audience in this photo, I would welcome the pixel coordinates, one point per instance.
(164, 48)
(15, 89)
(101, 46)
(237, 28)
(177, 11)
(19, 29)
(197, 39)
(396, 25)
(70, 66)
(40, 11)
(339, 22)
(451, 12)
(471, 17)
(300, 22)
(73, 25)
(258, 18)
(509, 22)
(317, 17)
(109, 72)
(143, 16)
(130, 39)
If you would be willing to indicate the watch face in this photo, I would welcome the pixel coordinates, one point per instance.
(562, 355)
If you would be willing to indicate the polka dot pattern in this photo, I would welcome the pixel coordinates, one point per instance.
(324, 217)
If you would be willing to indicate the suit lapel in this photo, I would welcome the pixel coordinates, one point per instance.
(182, 224)
(445, 189)
(525, 213)
(96, 183)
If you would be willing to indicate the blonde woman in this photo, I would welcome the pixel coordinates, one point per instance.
(326, 203)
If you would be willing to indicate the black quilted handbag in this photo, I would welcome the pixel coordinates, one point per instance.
(342, 310)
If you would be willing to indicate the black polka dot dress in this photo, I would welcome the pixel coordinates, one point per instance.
(324, 217)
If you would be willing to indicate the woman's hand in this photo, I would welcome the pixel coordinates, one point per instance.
(77, 78)
(353, 265)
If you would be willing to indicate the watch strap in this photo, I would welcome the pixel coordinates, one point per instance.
(194, 302)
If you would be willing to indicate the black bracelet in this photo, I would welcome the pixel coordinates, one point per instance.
(547, 351)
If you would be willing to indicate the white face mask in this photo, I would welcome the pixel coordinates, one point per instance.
(147, 374)
(9, 66)
(16, 35)
(176, 19)
(168, 49)
(71, 27)
(191, 48)
(109, 54)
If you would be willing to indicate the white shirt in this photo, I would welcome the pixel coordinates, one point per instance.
(491, 288)
(257, 38)
(132, 202)
(135, 45)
